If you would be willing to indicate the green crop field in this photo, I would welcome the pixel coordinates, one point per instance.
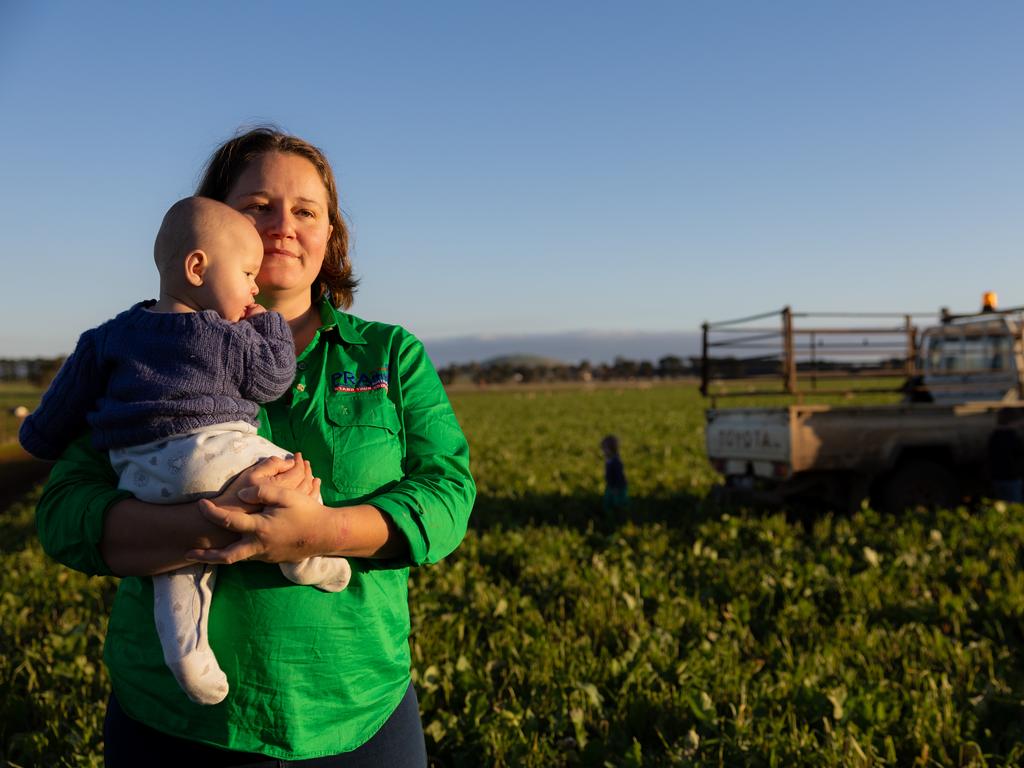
(11, 396)
(676, 633)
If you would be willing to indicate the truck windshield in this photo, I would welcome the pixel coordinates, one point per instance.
(959, 350)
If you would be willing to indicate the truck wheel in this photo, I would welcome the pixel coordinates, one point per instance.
(918, 482)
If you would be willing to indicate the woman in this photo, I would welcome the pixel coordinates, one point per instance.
(314, 676)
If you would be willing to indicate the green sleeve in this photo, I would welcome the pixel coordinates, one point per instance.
(431, 504)
(75, 500)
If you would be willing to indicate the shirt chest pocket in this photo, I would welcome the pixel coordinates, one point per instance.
(366, 441)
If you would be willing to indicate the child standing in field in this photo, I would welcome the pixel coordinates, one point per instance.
(171, 389)
(615, 493)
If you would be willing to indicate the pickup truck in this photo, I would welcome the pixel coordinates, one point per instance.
(927, 446)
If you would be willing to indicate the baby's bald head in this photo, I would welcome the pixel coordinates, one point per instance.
(208, 255)
(194, 224)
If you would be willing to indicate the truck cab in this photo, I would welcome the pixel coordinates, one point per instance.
(972, 358)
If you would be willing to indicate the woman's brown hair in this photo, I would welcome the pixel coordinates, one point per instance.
(335, 281)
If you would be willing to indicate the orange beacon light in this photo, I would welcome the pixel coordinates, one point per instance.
(989, 301)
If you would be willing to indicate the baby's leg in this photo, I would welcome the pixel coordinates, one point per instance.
(181, 607)
(201, 464)
(331, 574)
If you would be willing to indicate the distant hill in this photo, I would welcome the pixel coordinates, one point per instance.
(570, 347)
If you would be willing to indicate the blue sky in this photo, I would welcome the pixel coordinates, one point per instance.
(531, 167)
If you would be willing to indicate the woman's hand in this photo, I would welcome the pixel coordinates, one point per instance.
(294, 474)
(289, 527)
(141, 539)
(277, 510)
(281, 519)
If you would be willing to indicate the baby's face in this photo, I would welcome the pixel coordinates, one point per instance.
(229, 284)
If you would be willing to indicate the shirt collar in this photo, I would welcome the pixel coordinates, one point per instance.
(341, 323)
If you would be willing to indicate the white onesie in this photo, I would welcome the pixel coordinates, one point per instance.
(185, 468)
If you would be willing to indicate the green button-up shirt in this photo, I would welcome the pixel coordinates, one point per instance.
(311, 673)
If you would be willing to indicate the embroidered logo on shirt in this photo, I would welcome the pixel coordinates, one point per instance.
(353, 381)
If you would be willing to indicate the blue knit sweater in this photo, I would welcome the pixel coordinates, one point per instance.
(145, 376)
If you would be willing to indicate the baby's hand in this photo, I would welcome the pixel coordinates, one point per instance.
(254, 309)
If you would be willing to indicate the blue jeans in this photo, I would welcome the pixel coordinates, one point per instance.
(128, 744)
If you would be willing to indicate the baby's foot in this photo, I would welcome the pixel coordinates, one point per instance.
(336, 574)
(200, 676)
(330, 574)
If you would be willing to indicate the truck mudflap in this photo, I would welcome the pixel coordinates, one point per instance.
(745, 494)
(740, 469)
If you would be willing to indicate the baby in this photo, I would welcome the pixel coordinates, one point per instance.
(170, 388)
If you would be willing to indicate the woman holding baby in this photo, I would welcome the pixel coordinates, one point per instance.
(322, 679)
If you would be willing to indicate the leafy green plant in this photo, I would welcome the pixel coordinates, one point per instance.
(672, 633)
(53, 685)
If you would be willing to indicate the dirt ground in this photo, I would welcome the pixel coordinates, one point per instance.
(19, 472)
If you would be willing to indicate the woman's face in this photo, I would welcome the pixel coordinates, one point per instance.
(287, 202)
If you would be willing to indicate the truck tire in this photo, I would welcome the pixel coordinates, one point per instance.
(918, 482)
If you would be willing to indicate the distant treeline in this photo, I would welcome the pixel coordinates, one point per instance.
(40, 371)
(528, 372)
(37, 370)
(622, 369)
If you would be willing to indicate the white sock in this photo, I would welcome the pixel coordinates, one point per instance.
(330, 574)
(181, 607)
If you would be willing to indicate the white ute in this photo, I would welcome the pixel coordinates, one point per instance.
(929, 448)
